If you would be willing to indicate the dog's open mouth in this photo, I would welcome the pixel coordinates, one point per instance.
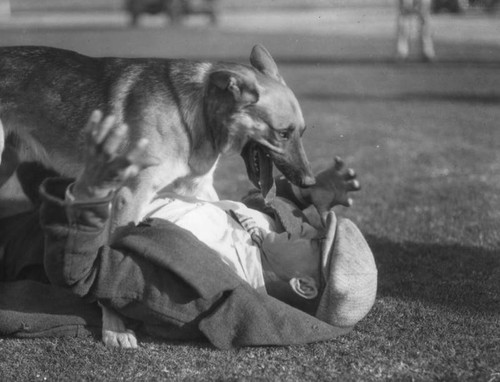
(259, 166)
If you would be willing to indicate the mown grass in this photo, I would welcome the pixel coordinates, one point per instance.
(425, 142)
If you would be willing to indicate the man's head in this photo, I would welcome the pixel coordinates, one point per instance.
(292, 269)
(334, 279)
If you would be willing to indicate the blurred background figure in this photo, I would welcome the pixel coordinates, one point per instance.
(454, 6)
(174, 9)
(421, 11)
(460, 6)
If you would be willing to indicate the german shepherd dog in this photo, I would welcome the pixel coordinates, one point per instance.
(421, 10)
(191, 112)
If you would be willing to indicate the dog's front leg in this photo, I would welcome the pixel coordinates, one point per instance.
(114, 332)
(131, 200)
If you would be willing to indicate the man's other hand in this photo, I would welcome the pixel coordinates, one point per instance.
(109, 161)
(332, 187)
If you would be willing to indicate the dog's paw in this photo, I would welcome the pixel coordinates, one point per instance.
(114, 332)
(123, 339)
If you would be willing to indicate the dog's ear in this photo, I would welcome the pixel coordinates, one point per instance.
(242, 88)
(261, 59)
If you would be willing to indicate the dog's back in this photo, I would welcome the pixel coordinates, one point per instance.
(36, 85)
(47, 94)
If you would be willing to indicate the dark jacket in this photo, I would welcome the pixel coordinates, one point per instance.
(163, 279)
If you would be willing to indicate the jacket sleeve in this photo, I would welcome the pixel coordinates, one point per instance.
(285, 206)
(75, 236)
(284, 190)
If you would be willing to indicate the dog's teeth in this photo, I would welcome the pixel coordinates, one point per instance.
(256, 162)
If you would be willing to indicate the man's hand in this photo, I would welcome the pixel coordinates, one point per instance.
(105, 169)
(331, 188)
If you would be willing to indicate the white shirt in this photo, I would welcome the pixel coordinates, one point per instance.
(211, 224)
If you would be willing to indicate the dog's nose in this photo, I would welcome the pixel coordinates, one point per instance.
(308, 181)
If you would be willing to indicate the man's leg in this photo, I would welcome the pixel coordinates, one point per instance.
(426, 42)
(403, 34)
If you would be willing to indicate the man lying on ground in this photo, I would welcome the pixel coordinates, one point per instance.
(153, 273)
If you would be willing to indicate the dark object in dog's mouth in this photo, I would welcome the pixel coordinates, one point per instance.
(259, 166)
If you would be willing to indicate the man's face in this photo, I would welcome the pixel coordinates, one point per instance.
(292, 256)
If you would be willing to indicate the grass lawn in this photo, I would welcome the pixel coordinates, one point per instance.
(425, 142)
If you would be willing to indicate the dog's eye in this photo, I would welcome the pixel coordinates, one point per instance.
(284, 135)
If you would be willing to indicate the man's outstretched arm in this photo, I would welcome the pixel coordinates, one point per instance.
(331, 189)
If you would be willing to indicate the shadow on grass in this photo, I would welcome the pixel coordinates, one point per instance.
(463, 278)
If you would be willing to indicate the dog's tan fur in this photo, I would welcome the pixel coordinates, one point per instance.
(190, 112)
(421, 11)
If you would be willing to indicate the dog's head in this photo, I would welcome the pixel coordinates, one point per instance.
(257, 115)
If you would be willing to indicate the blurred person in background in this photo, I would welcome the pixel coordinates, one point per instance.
(407, 11)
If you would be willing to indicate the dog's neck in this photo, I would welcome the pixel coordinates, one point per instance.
(191, 78)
